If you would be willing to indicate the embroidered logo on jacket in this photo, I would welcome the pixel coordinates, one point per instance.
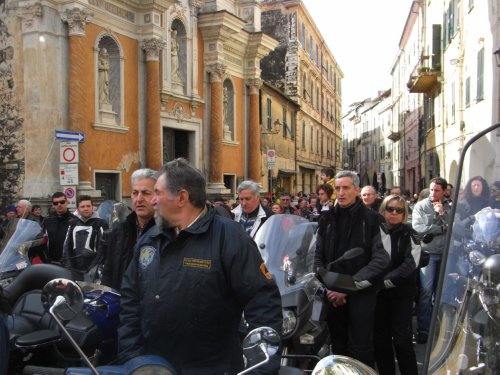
(146, 256)
(197, 263)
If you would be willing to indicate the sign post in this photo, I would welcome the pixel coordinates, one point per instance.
(271, 162)
(69, 159)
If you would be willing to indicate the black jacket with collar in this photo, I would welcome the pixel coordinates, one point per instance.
(120, 249)
(183, 295)
(56, 227)
(362, 225)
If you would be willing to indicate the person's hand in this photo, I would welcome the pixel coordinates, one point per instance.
(438, 207)
(335, 298)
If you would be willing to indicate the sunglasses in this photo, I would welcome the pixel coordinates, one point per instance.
(398, 210)
(56, 203)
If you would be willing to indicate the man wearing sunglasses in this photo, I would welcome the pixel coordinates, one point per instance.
(56, 226)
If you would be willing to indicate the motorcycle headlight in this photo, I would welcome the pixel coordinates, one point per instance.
(289, 321)
(340, 365)
(477, 258)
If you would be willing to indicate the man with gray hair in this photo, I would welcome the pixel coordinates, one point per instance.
(350, 224)
(250, 213)
(123, 238)
(23, 210)
(189, 280)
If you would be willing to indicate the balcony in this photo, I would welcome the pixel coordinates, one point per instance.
(423, 79)
(394, 135)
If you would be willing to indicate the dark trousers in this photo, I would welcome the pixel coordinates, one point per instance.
(4, 346)
(393, 327)
(351, 327)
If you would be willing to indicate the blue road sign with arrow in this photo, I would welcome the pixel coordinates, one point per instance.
(64, 135)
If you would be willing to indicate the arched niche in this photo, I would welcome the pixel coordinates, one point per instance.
(177, 73)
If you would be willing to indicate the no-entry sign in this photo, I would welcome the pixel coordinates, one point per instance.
(68, 152)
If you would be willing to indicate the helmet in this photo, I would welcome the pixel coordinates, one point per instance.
(489, 291)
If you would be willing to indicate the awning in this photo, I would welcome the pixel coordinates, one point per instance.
(287, 172)
(304, 169)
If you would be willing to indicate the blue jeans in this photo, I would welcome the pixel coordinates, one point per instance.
(428, 282)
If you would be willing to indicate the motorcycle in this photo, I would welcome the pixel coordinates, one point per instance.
(35, 338)
(64, 300)
(287, 244)
(465, 325)
(21, 238)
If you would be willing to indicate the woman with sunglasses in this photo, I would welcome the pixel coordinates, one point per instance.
(393, 311)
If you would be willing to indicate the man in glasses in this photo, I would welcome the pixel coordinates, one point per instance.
(350, 224)
(286, 203)
(56, 227)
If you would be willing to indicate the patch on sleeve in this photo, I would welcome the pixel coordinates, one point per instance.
(265, 272)
(197, 263)
(146, 256)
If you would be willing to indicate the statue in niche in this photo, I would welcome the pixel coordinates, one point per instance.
(174, 51)
(103, 67)
(224, 105)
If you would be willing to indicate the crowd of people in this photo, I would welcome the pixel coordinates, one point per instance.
(192, 262)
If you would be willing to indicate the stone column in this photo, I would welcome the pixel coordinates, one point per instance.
(78, 78)
(215, 179)
(152, 48)
(254, 154)
(76, 19)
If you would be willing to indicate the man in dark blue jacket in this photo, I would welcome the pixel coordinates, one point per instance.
(190, 279)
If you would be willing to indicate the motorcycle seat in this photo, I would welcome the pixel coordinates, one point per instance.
(29, 315)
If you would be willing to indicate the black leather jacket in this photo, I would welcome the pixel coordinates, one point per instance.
(56, 228)
(183, 296)
(356, 226)
(120, 249)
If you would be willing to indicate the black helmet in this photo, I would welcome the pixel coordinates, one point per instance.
(489, 292)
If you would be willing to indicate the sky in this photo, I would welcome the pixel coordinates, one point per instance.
(363, 36)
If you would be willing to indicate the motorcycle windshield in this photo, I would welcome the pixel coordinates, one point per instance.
(465, 328)
(14, 247)
(286, 244)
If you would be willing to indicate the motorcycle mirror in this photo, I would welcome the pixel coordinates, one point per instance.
(65, 296)
(262, 341)
(348, 255)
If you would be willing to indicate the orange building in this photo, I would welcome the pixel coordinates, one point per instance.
(145, 81)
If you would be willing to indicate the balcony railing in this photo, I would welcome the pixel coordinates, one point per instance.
(424, 78)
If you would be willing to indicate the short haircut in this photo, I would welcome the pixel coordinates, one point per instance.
(179, 175)
(143, 173)
(58, 194)
(26, 203)
(35, 206)
(328, 172)
(399, 199)
(439, 181)
(327, 188)
(249, 185)
(82, 198)
(396, 187)
(371, 188)
(285, 194)
(352, 175)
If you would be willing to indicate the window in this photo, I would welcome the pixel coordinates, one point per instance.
(285, 126)
(480, 75)
(317, 55)
(317, 98)
(293, 126)
(311, 47)
(382, 152)
(317, 141)
(312, 141)
(269, 113)
(374, 152)
(312, 93)
(303, 36)
(304, 86)
(453, 107)
(467, 92)
(303, 135)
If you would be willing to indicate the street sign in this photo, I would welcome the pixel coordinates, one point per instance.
(271, 156)
(64, 135)
(270, 166)
(68, 174)
(70, 193)
(68, 152)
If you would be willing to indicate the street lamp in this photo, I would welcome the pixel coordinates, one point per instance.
(497, 56)
(274, 130)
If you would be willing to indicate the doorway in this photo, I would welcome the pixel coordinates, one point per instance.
(108, 184)
(175, 144)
